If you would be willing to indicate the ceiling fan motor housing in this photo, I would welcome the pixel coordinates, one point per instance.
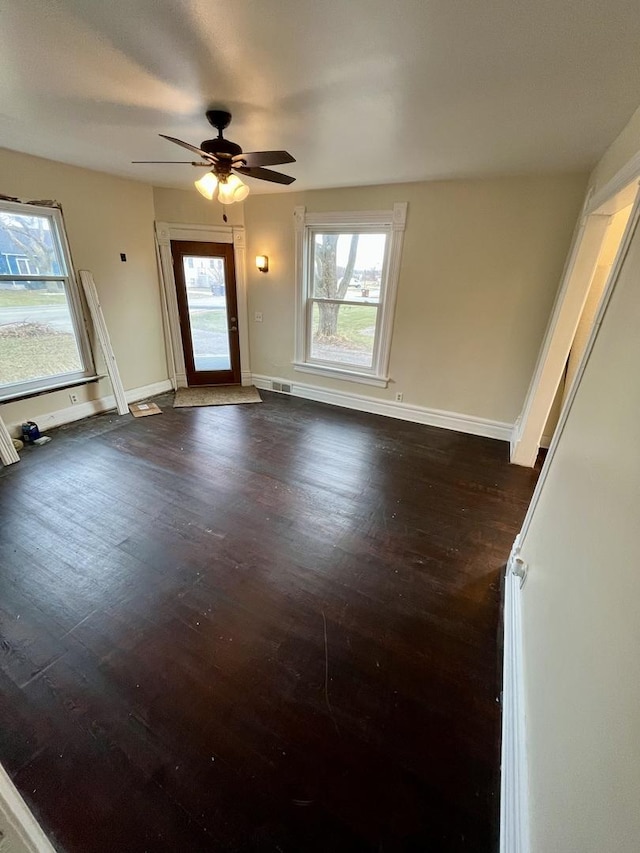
(222, 148)
(224, 151)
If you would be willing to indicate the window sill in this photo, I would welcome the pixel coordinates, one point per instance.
(36, 392)
(339, 373)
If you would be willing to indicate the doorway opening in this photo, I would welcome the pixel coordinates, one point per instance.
(586, 280)
(610, 245)
(204, 275)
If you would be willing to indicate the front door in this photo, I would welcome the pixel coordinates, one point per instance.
(208, 307)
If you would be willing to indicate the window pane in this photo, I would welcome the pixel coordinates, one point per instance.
(28, 245)
(344, 334)
(207, 301)
(348, 266)
(37, 337)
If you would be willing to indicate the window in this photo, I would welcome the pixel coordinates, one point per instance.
(43, 343)
(347, 272)
(24, 267)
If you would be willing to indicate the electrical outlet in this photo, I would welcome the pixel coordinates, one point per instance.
(258, 316)
(399, 397)
(74, 398)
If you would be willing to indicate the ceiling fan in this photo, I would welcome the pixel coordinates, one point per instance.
(226, 160)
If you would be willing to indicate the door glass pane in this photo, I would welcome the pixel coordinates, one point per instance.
(27, 245)
(343, 334)
(348, 266)
(207, 300)
(37, 338)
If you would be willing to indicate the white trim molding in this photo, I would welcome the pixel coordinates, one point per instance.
(390, 409)
(589, 235)
(344, 375)
(102, 333)
(612, 281)
(514, 787)
(165, 233)
(94, 407)
(392, 223)
(629, 173)
(22, 832)
(552, 359)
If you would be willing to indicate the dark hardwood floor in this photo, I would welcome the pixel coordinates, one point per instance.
(260, 627)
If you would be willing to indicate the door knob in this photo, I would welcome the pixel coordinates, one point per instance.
(233, 329)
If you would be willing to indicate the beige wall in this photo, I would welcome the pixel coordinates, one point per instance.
(581, 613)
(104, 216)
(581, 616)
(481, 264)
(188, 207)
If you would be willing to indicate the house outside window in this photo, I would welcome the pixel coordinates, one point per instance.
(24, 267)
(43, 341)
(347, 276)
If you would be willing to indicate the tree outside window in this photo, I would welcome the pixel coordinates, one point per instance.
(347, 295)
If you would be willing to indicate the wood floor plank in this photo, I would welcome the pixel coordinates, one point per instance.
(251, 628)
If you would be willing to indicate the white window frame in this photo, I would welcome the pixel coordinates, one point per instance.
(68, 279)
(307, 225)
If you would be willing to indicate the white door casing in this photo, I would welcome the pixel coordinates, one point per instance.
(165, 233)
(591, 231)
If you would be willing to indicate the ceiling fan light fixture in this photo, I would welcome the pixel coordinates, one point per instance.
(232, 190)
(223, 157)
(207, 185)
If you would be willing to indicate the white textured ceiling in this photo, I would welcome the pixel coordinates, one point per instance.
(359, 91)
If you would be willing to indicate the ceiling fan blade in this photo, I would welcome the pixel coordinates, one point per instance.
(190, 147)
(186, 162)
(264, 158)
(264, 174)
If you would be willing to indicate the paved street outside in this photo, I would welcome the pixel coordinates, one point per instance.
(55, 316)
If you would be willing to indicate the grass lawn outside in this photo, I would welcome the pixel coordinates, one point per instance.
(214, 320)
(20, 298)
(27, 358)
(356, 323)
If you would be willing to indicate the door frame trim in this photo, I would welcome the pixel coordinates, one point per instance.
(612, 281)
(235, 234)
(589, 235)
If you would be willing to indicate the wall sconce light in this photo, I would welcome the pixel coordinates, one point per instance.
(262, 263)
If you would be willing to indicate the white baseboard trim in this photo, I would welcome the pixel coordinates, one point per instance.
(514, 788)
(545, 442)
(390, 409)
(22, 832)
(93, 407)
(514, 438)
